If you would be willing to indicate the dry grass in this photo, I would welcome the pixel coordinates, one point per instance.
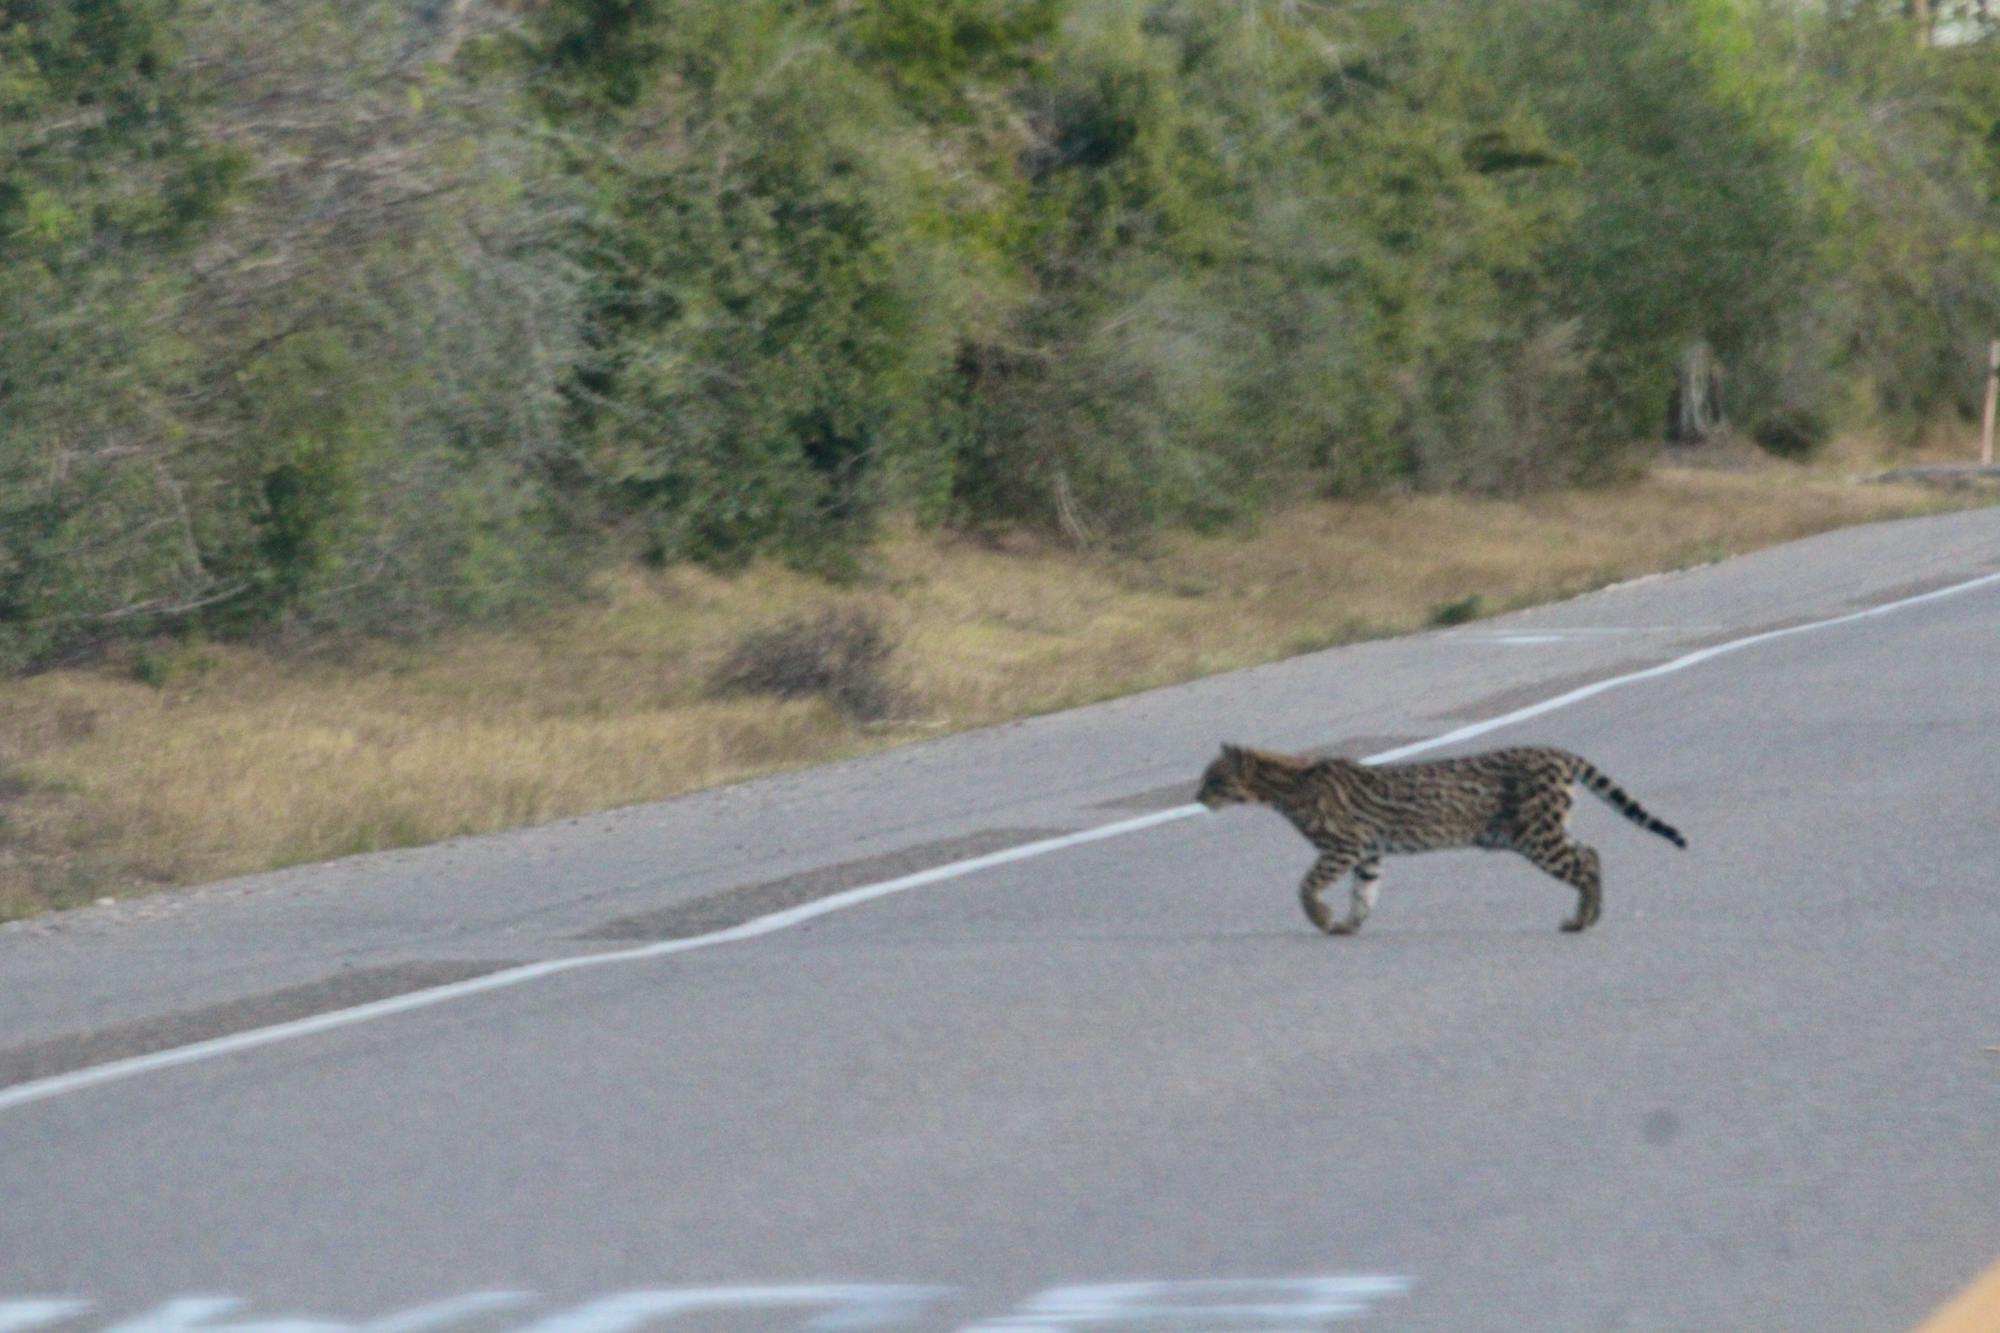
(232, 761)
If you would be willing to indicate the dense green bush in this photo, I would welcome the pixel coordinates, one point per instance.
(284, 324)
(1691, 224)
(1812, 196)
(336, 316)
(1907, 177)
(1276, 246)
(777, 296)
(106, 182)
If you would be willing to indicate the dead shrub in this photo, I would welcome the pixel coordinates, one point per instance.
(840, 654)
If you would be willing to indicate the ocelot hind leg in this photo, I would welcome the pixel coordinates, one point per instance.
(1575, 864)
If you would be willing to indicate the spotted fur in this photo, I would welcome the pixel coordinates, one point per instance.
(1514, 800)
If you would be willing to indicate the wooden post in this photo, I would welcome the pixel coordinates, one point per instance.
(1992, 393)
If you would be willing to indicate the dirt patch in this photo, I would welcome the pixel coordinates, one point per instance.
(61, 1055)
(733, 907)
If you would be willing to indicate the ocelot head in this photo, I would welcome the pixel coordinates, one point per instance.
(1226, 780)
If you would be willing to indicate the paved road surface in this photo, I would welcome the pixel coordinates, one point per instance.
(1120, 1082)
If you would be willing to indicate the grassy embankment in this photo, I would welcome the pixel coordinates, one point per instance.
(194, 762)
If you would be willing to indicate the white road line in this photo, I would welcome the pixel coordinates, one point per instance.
(1225, 1303)
(22, 1094)
(1238, 1303)
(18, 1316)
(1681, 663)
(210, 1314)
(855, 1307)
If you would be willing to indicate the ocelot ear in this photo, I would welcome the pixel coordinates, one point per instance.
(1231, 751)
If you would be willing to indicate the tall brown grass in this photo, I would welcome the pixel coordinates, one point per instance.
(232, 760)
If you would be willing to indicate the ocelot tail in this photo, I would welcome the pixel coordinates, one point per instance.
(1514, 800)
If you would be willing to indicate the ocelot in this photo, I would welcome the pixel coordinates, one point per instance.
(1515, 800)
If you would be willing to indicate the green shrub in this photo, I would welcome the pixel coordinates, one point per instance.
(328, 317)
(1458, 611)
(839, 654)
(259, 358)
(777, 313)
(1794, 433)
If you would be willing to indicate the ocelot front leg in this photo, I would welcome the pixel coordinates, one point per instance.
(1335, 860)
(1367, 883)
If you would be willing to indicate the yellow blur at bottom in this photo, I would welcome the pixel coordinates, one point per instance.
(1974, 1310)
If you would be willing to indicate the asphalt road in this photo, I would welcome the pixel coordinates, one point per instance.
(1118, 1084)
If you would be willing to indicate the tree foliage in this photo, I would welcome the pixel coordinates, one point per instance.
(336, 316)
(281, 350)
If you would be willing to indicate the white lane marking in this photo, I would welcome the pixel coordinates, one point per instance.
(1680, 663)
(186, 1314)
(22, 1094)
(443, 1314)
(854, 1307)
(1271, 1306)
(206, 1314)
(1230, 1305)
(16, 1316)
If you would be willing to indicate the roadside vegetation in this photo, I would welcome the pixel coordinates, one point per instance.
(189, 760)
(411, 414)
